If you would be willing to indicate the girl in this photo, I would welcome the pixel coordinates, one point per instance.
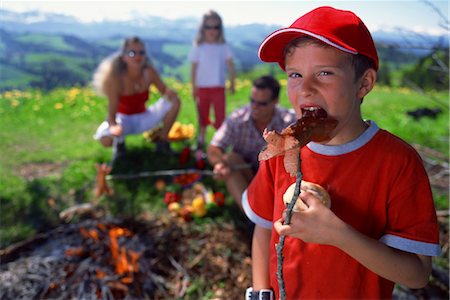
(210, 57)
(125, 79)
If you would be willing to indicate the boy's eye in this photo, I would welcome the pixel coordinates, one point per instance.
(324, 73)
(294, 75)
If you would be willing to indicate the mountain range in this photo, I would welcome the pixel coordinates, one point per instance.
(47, 50)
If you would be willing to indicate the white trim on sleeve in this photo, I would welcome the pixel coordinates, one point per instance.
(252, 215)
(411, 246)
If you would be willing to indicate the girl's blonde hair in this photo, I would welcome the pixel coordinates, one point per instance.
(209, 15)
(107, 75)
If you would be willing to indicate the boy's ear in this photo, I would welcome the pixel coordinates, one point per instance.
(367, 83)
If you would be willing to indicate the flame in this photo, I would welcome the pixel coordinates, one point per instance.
(91, 233)
(102, 227)
(122, 262)
(125, 261)
(100, 274)
(84, 232)
(113, 244)
(120, 258)
(127, 280)
(134, 260)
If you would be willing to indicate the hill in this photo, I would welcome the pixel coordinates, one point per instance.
(51, 50)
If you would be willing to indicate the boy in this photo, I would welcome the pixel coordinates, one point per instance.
(382, 225)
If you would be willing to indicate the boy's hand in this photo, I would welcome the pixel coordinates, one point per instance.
(315, 224)
(315, 189)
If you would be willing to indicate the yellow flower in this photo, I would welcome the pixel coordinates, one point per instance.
(405, 90)
(58, 106)
(72, 94)
(14, 103)
(153, 89)
(7, 95)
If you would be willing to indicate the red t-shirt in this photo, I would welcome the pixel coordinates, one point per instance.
(377, 184)
(133, 104)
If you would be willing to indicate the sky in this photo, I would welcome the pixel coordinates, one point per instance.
(416, 15)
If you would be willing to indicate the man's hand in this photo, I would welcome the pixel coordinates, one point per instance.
(221, 170)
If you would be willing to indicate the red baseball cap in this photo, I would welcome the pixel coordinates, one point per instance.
(340, 29)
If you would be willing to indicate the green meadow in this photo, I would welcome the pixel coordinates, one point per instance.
(48, 155)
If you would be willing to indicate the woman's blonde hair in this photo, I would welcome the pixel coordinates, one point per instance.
(107, 75)
(209, 15)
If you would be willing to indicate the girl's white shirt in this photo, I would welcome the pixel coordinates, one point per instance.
(211, 62)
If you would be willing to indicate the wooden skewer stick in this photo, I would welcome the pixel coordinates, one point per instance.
(287, 221)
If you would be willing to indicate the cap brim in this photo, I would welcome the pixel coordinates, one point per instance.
(272, 48)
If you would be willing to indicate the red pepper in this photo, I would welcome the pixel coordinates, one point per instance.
(186, 179)
(185, 155)
(200, 164)
(171, 197)
(219, 199)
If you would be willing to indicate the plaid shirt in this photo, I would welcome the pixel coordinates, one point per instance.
(240, 133)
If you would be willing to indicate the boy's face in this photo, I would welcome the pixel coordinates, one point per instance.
(324, 77)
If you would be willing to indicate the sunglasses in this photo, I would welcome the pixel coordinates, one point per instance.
(133, 53)
(260, 103)
(217, 27)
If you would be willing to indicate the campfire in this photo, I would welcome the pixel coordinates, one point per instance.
(99, 259)
(112, 265)
(91, 260)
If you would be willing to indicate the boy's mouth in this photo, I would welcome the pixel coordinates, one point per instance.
(314, 112)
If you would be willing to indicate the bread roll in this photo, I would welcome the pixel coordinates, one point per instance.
(313, 188)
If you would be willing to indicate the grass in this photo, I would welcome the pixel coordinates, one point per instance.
(389, 107)
(56, 128)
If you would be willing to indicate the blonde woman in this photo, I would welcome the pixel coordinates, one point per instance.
(210, 57)
(125, 79)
